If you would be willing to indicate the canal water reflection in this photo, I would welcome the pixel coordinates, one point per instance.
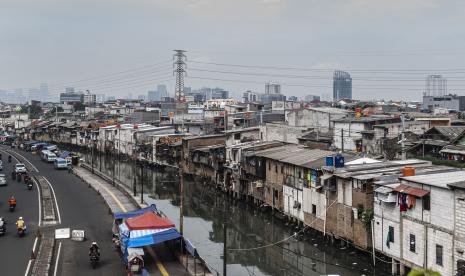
(247, 228)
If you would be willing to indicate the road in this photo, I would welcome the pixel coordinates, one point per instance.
(15, 252)
(80, 208)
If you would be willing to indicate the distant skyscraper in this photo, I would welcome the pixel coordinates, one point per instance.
(249, 96)
(435, 86)
(69, 90)
(272, 88)
(43, 91)
(161, 88)
(342, 85)
(219, 93)
(311, 98)
(141, 97)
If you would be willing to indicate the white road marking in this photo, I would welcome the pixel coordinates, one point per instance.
(28, 268)
(56, 200)
(40, 202)
(57, 259)
(34, 247)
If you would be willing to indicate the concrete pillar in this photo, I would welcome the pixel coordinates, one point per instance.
(401, 269)
(394, 269)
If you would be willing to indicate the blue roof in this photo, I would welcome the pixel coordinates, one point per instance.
(135, 213)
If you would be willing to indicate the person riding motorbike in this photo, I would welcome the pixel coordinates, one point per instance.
(94, 249)
(12, 201)
(20, 224)
(9, 158)
(2, 224)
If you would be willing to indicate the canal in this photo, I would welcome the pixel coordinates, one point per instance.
(252, 236)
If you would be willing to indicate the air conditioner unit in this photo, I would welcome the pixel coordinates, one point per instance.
(258, 184)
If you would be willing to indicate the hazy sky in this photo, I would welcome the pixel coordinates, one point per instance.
(387, 46)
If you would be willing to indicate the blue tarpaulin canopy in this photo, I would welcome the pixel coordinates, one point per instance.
(152, 208)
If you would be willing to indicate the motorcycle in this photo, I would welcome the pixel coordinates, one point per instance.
(116, 241)
(3, 229)
(21, 231)
(18, 177)
(9, 159)
(29, 185)
(94, 258)
(12, 207)
(13, 175)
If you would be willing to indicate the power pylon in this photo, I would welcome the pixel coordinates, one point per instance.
(179, 71)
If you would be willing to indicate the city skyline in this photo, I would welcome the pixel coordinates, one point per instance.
(386, 58)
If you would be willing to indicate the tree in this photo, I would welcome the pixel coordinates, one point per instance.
(390, 149)
(79, 106)
(34, 111)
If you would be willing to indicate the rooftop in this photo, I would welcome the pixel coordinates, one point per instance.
(294, 154)
(441, 180)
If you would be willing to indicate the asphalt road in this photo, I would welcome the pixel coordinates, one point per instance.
(15, 252)
(80, 208)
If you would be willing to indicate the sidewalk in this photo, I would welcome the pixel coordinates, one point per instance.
(115, 199)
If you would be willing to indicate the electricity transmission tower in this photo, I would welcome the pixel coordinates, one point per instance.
(179, 71)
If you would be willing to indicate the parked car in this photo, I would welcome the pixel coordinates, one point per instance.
(1, 165)
(20, 168)
(3, 180)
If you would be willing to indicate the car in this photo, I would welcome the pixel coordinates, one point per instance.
(20, 168)
(2, 180)
(60, 163)
(1, 165)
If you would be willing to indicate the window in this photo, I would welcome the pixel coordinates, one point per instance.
(439, 250)
(276, 168)
(391, 234)
(300, 174)
(237, 136)
(426, 203)
(412, 243)
(314, 209)
(269, 166)
(282, 169)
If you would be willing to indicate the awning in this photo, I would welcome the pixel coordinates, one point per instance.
(325, 176)
(152, 208)
(190, 247)
(148, 221)
(405, 189)
(384, 190)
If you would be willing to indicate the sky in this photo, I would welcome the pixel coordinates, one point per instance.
(121, 47)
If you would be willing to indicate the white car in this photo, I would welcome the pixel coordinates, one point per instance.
(20, 168)
(2, 180)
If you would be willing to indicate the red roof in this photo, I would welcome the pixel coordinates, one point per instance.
(148, 221)
(402, 188)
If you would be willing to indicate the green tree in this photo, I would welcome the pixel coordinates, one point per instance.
(34, 111)
(79, 107)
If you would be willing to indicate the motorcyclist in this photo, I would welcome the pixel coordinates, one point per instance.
(20, 224)
(12, 201)
(9, 158)
(2, 224)
(94, 248)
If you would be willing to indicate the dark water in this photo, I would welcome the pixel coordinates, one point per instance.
(246, 228)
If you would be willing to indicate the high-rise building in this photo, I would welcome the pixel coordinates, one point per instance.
(219, 93)
(71, 97)
(435, 86)
(89, 98)
(272, 88)
(141, 97)
(43, 91)
(249, 97)
(161, 88)
(157, 95)
(342, 85)
(69, 90)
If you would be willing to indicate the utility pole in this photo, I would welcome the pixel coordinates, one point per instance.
(181, 199)
(92, 151)
(342, 140)
(141, 183)
(179, 71)
(402, 142)
(225, 233)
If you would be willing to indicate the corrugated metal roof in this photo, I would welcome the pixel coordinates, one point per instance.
(451, 132)
(406, 189)
(437, 179)
(294, 154)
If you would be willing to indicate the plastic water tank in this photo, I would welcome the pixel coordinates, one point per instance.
(408, 171)
(329, 161)
(339, 160)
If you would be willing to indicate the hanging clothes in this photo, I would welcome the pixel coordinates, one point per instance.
(402, 201)
(411, 201)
